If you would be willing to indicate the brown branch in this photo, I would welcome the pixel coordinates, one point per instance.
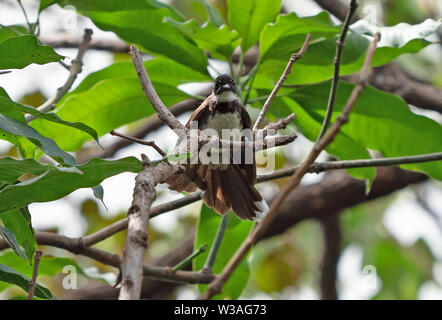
(33, 281)
(139, 141)
(216, 286)
(68, 41)
(295, 57)
(74, 70)
(336, 8)
(332, 250)
(163, 113)
(136, 243)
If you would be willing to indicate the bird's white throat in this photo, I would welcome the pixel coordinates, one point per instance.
(226, 96)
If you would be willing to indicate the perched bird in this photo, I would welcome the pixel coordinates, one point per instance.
(226, 185)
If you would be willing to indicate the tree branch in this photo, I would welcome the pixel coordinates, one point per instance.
(74, 70)
(163, 113)
(136, 243)
(288, 68)
(33, 281)
(139, 141)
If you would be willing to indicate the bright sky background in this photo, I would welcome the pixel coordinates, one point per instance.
(404, 218)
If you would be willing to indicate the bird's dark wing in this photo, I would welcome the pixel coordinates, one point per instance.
(249, 170)
(204, 107)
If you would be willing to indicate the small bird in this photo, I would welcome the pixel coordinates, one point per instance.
(226, 185)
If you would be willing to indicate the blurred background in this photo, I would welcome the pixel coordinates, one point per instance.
(386, 248)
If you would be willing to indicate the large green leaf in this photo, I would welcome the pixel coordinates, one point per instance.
(56, 184)
(141, 22)
(219, 41)
(49, 265)
(7, 105)
(11, 169)
(248, 17)
(286, 36)
(9, 275)
(112, 97)
(11, 240)
(237, 231)
(20, 51)
(18, 128)
(11, 31)
(379, 121)
(18, 221)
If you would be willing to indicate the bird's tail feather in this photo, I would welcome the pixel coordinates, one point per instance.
(230, 188)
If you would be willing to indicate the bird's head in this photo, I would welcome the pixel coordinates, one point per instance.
(225, 88)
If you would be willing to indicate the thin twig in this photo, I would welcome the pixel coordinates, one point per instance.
(288, 68)
(139, 141)
(26, 15)
(33, 281)
(74, 70)
(163, 113)
(194, 254)
(337, 62)
(216, 286)
(136, 243)
(5, 72)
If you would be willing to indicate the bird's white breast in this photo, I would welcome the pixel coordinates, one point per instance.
(220, 121)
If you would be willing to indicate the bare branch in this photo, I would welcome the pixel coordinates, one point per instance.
(33, 281)
(63, 40)
(136, 243)
(216, 286)
(74, 70)
(288, 68)
(163, 113)
(337, 63)
(139, 141)
(337, 8)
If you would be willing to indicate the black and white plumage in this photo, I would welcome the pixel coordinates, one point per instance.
(226, 186)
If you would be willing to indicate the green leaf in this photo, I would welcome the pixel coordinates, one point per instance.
(141, 22)
(219, 41)
(379, 121)
(414, 263)
(7, 105)
(282, 38)
(20, 224)
(287, 35)
(237, 231)
(45, 3)
(112, 97)
(248, 17)
(9, 275)
(11, 169)
(7, 32)
(213, 14)
(21, 129)
(49, 265)
(56, 184)
(20, 51)
(11, 240)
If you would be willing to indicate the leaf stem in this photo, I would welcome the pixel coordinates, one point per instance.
(217, 242)
(196, 253)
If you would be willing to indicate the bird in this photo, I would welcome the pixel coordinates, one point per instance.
(226, 185)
